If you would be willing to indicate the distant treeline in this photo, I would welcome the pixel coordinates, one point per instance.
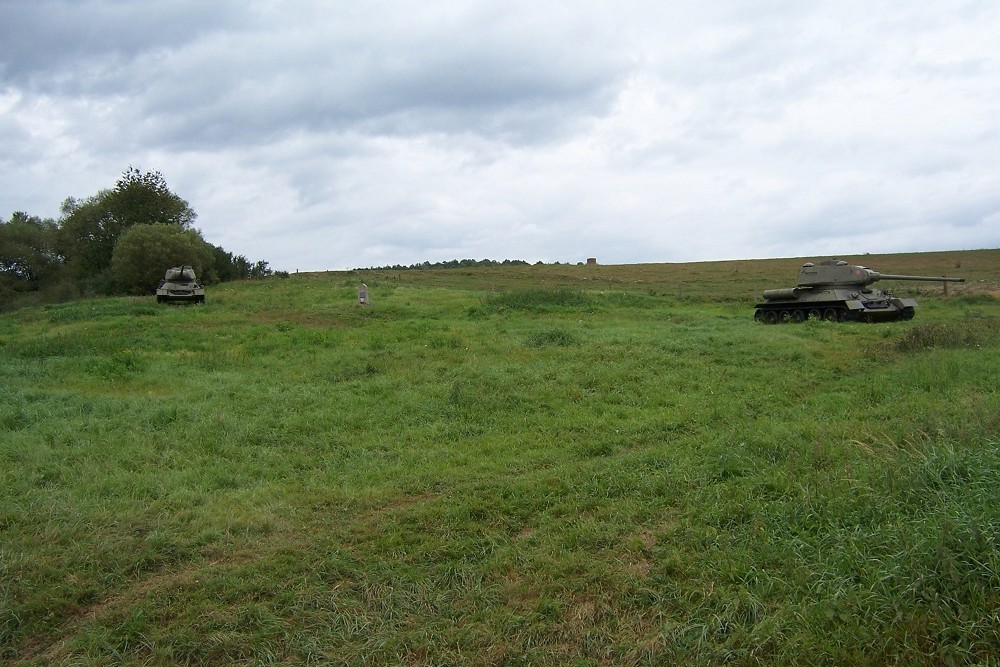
(451, 264)
(118, 241)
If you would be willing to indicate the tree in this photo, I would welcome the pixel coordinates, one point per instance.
(27, 249)
(90, 229)
(144, 199)
(144, 252)
(228, 266)
(28, 259)
(87, 237)
(260, 269)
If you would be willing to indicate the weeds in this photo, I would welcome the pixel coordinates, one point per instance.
(972, 332)
(532, 300)
(558, 336)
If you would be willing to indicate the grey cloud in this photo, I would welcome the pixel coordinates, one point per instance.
(16, 142)
(194, 85)
(514, 93)
(52, 43)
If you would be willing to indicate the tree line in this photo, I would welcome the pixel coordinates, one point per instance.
(450, 264)
(118, 241)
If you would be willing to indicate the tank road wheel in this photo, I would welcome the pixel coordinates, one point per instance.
(798, 316)
(815, 314)
(770, 317)
(758, 315)
(831, 315)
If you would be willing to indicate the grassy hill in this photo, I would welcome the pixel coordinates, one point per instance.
(541, 465)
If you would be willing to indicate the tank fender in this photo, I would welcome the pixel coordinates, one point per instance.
(781, 294)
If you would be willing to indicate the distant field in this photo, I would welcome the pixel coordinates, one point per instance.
(736, 281)
(546, 465)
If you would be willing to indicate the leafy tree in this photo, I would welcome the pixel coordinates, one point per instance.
(260, 270)
(228, 266)
(144, 199)
(241, 266)
(27, 249)
(90, 229)
(28, 260)
(144, 252)
(87, 237)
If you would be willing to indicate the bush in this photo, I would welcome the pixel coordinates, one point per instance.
(60, 292)
(144, 252)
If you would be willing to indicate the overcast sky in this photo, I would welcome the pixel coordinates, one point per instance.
(342, 134)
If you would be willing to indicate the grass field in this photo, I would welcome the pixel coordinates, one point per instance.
(546, 465)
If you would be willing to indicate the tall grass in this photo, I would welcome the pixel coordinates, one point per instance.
(465, 476)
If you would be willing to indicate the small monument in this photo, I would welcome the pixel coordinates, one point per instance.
(363, 295)
(591, 261)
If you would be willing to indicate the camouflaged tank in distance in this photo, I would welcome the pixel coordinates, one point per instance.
(837, 291)
(180, 285)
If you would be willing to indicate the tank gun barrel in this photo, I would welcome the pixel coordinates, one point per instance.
(896, 276)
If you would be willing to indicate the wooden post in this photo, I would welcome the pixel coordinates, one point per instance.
(945, 288)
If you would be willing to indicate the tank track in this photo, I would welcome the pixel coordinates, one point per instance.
(794, 313)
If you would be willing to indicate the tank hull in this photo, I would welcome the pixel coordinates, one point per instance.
(167, 295)
(834, 305)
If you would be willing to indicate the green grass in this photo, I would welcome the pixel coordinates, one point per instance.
(477, 470)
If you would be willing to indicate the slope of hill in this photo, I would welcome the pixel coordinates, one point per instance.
(733, 280)
(554, 465)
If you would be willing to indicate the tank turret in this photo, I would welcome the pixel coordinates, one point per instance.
(836, 273)
(836, 291)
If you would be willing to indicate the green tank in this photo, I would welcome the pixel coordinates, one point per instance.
(837, 291)
(180, 285)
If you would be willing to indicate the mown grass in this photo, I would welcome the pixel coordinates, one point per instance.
(467, 474)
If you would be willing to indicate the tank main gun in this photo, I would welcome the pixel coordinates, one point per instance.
(838, 273)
